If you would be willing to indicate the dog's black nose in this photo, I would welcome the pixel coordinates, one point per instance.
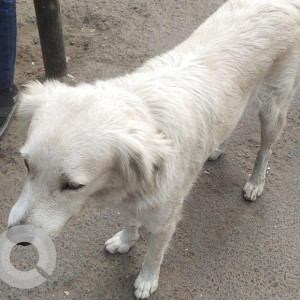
(24, 244)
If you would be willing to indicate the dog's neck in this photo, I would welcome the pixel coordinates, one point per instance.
(166, 91)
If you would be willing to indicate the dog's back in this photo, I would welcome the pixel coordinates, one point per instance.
(234, 49)
(250, 34)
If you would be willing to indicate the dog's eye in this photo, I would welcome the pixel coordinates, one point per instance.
(26, 164)
(72, 186)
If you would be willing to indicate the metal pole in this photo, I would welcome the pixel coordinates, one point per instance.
(51, 37)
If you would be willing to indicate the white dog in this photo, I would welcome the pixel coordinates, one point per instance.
(137, 143)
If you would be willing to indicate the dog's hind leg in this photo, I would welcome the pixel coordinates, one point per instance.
(275, 92)
(218, 151)
(122, 241)
(272, 120)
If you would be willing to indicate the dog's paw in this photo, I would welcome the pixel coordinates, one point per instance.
(120, 243)
(251, 191)
(216, 154)
(145, 286)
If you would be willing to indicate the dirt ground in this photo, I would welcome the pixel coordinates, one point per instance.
(225, 247)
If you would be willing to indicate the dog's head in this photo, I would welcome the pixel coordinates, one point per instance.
(83, 141)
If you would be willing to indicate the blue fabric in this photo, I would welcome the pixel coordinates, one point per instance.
(8, 39)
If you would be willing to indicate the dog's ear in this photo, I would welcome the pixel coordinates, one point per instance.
(33, 96)
(141, 155)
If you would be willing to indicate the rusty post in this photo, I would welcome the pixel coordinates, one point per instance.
(51, 37)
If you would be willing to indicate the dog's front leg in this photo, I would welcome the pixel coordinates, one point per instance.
(147, 281)
(122, 241)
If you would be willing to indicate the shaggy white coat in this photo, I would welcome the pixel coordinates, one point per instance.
(137, 143)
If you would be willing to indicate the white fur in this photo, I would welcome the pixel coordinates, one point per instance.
(138, 142)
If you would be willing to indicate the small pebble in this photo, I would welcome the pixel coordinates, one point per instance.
(71, 76)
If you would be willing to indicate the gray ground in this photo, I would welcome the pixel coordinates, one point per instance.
(225, 247)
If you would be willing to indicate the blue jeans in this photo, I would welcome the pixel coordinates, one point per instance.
(8, 39)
